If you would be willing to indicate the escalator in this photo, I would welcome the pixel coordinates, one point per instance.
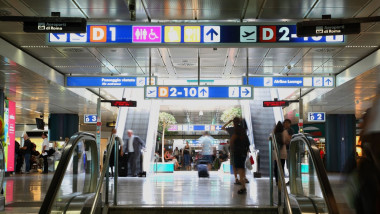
(310, 190)
(77, 184)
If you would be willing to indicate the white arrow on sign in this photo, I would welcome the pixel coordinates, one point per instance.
(328, 81)
(58, 37)
(203, 92)
(211, 33)
(245, 92)
(78, 37)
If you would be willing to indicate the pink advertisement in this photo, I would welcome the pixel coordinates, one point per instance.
(11, 135)
(146, 34)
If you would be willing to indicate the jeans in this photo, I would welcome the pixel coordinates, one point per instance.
(276, 173)
(187, 159)
(27, 162)
(45, 163)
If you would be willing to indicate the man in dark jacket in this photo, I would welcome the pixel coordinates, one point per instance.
(132, 147)
(28, 150)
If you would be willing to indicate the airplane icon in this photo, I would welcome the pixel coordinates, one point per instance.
(151, 91)
(248, 34)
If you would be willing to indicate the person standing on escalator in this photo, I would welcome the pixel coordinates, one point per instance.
(287, 136)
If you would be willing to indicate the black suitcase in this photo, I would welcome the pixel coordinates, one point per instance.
(202, 170)
(123, 166)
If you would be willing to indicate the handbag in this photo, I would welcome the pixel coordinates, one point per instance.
(248, 164)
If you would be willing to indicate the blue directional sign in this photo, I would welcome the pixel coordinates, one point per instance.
(198, 92)
(286, 81)
(113, 81)
(316, 116)
(90, 118)
(159, 35)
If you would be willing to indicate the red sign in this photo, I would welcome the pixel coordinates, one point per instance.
(11, 134)
(268, 34)
(123, 103)
(275, 103)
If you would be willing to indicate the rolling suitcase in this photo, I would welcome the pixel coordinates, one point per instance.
(203, 170)
(123, 166)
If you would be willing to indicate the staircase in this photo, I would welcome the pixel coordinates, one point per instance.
(262, 124)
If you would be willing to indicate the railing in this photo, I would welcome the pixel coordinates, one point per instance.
(76, 177)
(113, 143)
(308, 177)
(281, 185)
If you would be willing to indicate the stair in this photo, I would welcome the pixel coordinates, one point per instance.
(192, 210)
(262, 124)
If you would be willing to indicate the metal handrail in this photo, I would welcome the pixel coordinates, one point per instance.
(64, 162)
(2, 166)
(320, 169)
(104, 172)
(282, 185)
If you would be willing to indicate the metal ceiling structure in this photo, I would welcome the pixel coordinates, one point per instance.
(36, 94)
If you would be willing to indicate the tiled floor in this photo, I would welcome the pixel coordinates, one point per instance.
(24, 193)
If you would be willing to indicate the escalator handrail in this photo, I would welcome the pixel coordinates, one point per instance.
(272, 139)
(99, 186)
(2, 167)
(62, 166)
(320, 169)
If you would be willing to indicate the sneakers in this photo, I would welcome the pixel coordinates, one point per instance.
(242, 191)
(237, 182)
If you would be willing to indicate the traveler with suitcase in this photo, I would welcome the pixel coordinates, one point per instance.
(204, 164)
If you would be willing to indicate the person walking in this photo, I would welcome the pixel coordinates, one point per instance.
(230, 131)
(240, 147)
(27, 152)
(186, 156)
(44, 152)
(206, 141)
(132, 148)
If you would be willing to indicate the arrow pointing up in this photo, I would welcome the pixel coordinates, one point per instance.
(328, 81)
(203, 91)
(212, 32)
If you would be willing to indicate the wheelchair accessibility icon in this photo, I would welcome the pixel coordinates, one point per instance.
(152, 35)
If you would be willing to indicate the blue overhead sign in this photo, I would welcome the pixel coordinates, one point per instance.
(159, 35)
(90, 118)
(198, 92)
(110, 81)
(324, 82)
(316, 116)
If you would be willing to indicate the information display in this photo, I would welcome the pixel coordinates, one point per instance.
(296, 81)
(159, 35)
(110, 81)
(198, 92)
(90, 118)
(316, 116)
(186, 127)
(275, 103)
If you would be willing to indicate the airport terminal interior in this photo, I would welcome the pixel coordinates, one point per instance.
(189, 106)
